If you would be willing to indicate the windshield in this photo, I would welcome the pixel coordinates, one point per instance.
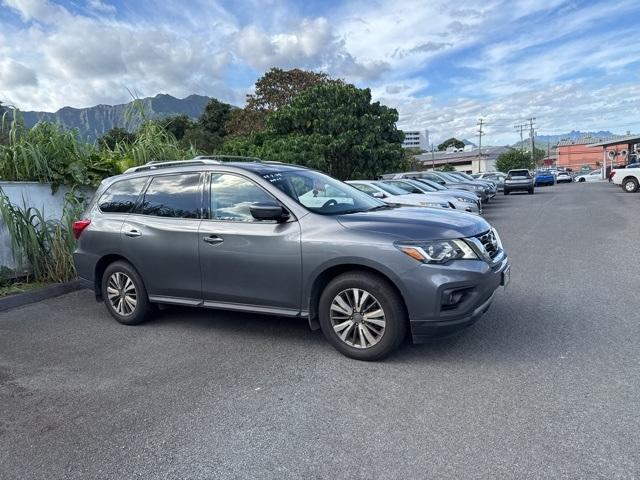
(465, 175)
(422, 185)
(519, 173)
(322, 194)
(392, 189)
(451, 178)
(432, 184)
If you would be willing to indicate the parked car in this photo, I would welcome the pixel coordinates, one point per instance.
(519, 180)
(593, 176)
(627, 178)
(280, 239)
(497, 177)
(544, 177)
(460, 199)
(396, 196)
(563, 177)
(465, 177)
(480, 190)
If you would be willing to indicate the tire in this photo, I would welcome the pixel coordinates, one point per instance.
(507, 192)
(335, 309)
(630, 185)
(121, 276)
(581, 180)
(530, 191)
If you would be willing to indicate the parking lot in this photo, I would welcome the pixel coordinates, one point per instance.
(546, 385)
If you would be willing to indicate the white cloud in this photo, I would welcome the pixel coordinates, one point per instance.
(101, 7)
(16, 75)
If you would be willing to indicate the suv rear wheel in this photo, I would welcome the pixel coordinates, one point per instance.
(630, 185)
(362, 316)
(125, 295)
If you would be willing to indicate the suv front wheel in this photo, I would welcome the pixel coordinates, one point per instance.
(125, 295)
(362, 316)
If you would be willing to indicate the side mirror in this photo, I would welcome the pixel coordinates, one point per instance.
(268, 211)
(378, 195)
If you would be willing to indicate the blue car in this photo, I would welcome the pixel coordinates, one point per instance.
(545, 177)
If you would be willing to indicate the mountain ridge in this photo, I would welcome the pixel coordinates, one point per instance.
(93, 122)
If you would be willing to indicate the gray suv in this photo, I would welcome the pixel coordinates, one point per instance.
(275, 238)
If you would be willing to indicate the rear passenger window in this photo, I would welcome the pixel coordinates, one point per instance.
(175, 196)
(121, 197)
(232, 197)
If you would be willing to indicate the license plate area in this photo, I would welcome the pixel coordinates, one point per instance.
(506, 276)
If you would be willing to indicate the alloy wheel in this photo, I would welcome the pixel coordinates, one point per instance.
(122, 294)
(630, 186)
(357, 318)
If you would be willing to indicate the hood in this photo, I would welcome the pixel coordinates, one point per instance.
(410, 223)
(415, 198)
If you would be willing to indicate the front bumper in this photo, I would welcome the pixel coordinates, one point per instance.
(476, 278)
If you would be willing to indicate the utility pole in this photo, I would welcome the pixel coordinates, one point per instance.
(480, 146)
(433, 159)
(532, 135)
(521, 127)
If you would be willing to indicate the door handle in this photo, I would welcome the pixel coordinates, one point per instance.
(133, 233)
(213, 240)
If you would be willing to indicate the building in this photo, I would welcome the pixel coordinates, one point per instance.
(465, 161)
(578, 153)
(416, 139)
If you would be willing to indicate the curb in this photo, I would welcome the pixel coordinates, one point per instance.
(20, 299)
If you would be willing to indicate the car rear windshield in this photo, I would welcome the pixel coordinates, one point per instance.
(519, 173)
(322, 194)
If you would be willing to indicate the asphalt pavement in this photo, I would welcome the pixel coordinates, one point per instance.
(546, 385)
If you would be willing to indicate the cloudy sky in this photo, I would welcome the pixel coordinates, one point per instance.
(442, 64)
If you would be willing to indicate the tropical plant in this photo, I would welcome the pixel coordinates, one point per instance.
(41, 247)
(446, 168)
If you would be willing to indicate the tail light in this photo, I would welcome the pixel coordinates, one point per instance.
(612, 174)
(79, 226)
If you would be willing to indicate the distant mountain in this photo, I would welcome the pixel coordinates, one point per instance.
(543, 140)
(93, 122)
(469, 143)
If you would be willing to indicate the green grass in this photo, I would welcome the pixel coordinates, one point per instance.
(21, 287)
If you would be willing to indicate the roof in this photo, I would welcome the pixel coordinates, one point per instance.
(488, 153)
(617, 140)
(600, 141)
(258, 166)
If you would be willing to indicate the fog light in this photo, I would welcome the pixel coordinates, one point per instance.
(452, 297)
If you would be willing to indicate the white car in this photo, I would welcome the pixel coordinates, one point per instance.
(594, 176)
(395, 196)
(563, 177)
(627, 178)
(460, 199)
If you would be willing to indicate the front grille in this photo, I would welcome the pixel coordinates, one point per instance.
(490, 243)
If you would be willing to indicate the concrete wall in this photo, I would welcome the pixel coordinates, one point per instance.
(36, 195)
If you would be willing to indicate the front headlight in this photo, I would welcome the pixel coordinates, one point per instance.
(465, 200)
(437, 251)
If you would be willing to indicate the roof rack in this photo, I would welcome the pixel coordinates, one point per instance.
(199, 160)
(169, 164)
(227, 158)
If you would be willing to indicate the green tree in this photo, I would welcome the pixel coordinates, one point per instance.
(245, 121)
(177, 125)
(277, 88)
(334, 128)
(450, 142)
(513, 159)
(116, 136)
(214, 117)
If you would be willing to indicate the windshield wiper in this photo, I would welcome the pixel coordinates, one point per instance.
(379, 207)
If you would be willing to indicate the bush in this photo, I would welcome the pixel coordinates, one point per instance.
(44, 245)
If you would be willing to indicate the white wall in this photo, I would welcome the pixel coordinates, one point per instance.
(36, 195)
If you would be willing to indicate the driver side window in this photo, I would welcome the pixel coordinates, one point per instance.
(232, 197)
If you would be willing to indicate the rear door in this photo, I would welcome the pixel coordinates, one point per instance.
(248, 263)
(161, 237)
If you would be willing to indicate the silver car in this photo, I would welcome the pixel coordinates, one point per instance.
(279, 239)
(460, 199)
